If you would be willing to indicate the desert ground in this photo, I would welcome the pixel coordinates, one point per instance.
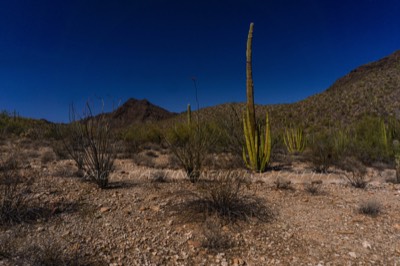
(144, 217)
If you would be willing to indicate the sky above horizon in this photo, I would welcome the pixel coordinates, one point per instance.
(54, 53)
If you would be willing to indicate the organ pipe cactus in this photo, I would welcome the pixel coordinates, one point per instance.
(257, 151)
(294, 140)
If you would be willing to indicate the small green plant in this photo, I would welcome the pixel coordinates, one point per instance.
(370, 207)
(257, 152)
(294, 140)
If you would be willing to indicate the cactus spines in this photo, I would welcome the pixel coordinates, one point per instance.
(257, 151)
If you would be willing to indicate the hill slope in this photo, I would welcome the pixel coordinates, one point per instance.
(139, 111)
(372, 89)
(369, 89)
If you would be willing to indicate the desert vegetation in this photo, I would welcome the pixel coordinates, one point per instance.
(235, 184)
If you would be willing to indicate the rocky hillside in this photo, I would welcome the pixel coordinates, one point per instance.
(369, 89)
(372, 89)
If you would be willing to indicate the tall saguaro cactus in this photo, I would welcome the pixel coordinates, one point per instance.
(257, 152)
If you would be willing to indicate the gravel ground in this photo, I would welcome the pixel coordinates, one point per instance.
(134, 222)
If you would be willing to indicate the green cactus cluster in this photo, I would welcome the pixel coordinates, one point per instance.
(257, 152)
(258, 144)
(294, 140)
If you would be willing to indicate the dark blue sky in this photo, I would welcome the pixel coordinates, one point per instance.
(53, 53)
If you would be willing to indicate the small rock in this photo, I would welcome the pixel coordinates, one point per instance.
(195, 244)
(40, 229)
(155, 208)
(396, 226)
(353, 255)
(104, 209)
(143, 208)
(366, 244)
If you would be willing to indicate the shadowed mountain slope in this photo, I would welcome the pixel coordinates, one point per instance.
(139, 111)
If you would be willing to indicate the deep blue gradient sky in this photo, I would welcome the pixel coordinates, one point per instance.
(53, 53)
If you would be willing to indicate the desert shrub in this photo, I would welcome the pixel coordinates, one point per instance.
(370, 141)
(47, 157)
(396, 149)
(13, 188)
(313, 187)
(323, 153)
(144, 160)
(12, 124)
(136, 137)
(355, 172)
(59, 150)
(370, 207)
(230, 126)
(158, 176)
(283, 184)
(93, 145)
(226, 195)
(190, 143)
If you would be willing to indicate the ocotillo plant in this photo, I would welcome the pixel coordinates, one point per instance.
(189, 114)
(257, 152)
(294, 140)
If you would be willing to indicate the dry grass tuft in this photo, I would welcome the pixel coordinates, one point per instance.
(226, 195)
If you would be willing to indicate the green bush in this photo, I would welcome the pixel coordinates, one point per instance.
(323, 152)
(370, 141)
(190, 143)
(139, 135)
